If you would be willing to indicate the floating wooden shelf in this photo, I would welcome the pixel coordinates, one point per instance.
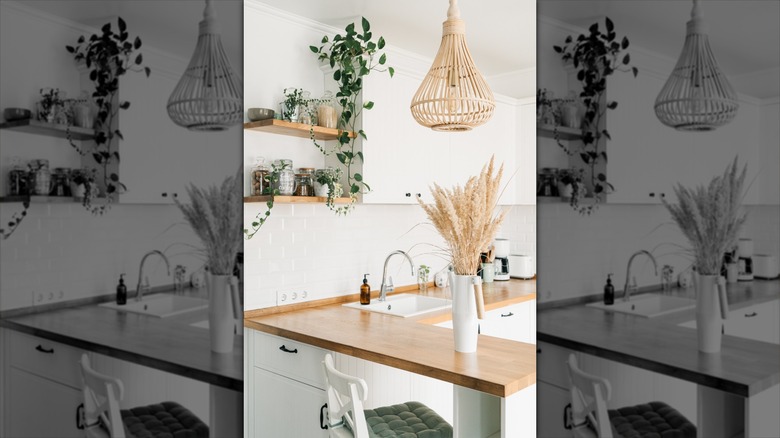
(294, 129)
(564, 133)
(35, 199)
(295, 199)
(49, 129)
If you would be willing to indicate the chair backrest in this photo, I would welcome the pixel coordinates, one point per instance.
(346, 395)
(589, 397)
(102, 394)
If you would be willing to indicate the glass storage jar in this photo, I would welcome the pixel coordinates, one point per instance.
(18, 178)
(41, 177)
(258, 178)
(326, 112)
(286, 182)
(60, 182)
(304, 184)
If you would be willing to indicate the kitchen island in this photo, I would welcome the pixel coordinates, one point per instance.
(494, 377)
(734, 386)
(170, 344)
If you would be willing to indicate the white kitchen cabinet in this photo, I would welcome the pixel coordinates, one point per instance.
(515, 322)
(158, 159)
(646, 159)
(287, 387)
(551, 403)
(758, 322)
(41, 390)
(525, 158)
(769, 153)
(403, 159)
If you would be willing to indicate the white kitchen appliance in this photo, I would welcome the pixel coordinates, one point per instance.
(501, 250)
(522, 266)
(745, 259)
(766, 266)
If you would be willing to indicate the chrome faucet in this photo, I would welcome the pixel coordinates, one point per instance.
(627, 289)
(387, 282)
(139, 294)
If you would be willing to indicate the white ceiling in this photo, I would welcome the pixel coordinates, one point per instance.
(744, 34)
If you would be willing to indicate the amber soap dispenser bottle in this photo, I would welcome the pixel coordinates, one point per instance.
(365, 291)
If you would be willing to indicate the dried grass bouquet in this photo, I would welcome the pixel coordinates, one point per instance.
(464, 216)
(710, 217)
(215, 215)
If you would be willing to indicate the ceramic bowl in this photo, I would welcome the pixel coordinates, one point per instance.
(12, 114)
(255, 114)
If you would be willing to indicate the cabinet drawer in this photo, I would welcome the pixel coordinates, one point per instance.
(292, 359)
(552, 364)
(45, 358)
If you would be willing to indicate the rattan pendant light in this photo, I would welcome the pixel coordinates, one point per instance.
(453, 96)
(208, 96)
(697, 96)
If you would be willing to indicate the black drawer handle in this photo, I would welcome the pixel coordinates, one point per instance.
(419, 195)
(287, 350)
(506, 315)
(324, 416)
(165, 194)
(750, 315)
(44, 350)
(408, 195)
(652, 194)
(538, 351)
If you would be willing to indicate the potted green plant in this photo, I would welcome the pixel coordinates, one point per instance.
(570, 186)
(595, 56)
(352, 55)
(328, 183)
(108, 56)
(50, 105)
(291, 105)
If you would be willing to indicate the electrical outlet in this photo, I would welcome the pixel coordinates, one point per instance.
(290, 297)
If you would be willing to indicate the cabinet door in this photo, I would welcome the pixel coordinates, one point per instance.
(511, 322)
(40, 408)
(471, 150)
(551, 402)
(285, 408)
(758, 322)
(402, 158)
(525, 158)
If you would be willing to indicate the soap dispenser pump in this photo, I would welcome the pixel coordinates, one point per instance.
(365, 291)
(121, 291)
(609, 291)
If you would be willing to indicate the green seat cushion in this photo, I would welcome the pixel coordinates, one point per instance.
(407, 420)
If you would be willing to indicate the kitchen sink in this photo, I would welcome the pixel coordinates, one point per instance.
(404, 305)
(648, 306)
(161, 305)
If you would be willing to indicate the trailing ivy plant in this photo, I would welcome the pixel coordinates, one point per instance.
(108, 56)
(596, 56)
(353, 55)
(271, 189)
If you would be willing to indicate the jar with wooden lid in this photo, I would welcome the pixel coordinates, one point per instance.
(304, 184)
(326, 112)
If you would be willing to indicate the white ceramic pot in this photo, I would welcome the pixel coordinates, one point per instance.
(221, 318)
(464, 312)
(709, 318)
(320, 190)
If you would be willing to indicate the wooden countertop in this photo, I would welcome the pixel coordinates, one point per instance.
(499, 367)
(168, 344)
(744, 367)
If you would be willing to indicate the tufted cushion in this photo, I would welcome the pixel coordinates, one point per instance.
(407, 420)
(651, 420)
(163, 420)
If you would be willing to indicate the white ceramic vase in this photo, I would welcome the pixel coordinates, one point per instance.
(709, 321)
(221, 318)
(464, 312)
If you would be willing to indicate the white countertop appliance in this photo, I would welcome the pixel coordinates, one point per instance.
(501, 248)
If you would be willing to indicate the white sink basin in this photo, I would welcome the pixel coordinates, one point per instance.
(404, 305)
(161, 305)
(648, 306)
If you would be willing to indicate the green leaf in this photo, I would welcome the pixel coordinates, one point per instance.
(382, 59)
(627, 58)
(122, 25)
(391, 70)
(635, 71)
(558, 49)
(124, 105)
(360, 154)
(366, 25)
(342, 158)
(381, 43)
(110, 188)
(314, 49)
(337, 75)
(624, 43)
(610, 25)
(354, 189)
(585, 157)
(148, 71)
(114, 177)
(81, 39)
(70, 49)
(137, 43)
(324, 39)
(368, 105)
(140, 58)
(612, 105)
(362, 134)
(358, 177)
(98, 158)
(601, 177)
(350, 29)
